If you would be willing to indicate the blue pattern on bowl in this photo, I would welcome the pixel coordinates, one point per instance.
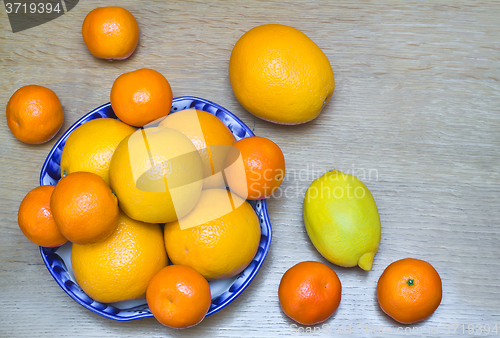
(50, 174)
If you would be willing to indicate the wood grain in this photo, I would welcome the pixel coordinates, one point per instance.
(417, 102)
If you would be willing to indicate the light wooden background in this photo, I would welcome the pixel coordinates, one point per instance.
(417, 102)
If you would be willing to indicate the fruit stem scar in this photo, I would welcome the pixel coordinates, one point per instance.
(410, 282)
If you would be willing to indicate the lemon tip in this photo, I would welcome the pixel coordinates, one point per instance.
(365, 262)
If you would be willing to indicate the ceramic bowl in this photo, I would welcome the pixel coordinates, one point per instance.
(224, 291)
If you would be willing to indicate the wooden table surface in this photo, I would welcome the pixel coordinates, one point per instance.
(415, 115)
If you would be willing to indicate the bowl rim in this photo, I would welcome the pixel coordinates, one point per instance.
(265, 214)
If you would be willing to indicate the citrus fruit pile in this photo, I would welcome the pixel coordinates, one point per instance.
(176, 189)
(120, 183)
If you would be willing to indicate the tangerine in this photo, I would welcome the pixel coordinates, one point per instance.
(409, 290)
(110, 32)
(35, 218)
(141, 96)
(84, 208)
(178, 296)
(309, 292)
(255, 168)
(34, 114)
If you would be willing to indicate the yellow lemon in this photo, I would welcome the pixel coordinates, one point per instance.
(156, 173)
(90, 146)
(342, 220)
(219, 238)
(280, 75)
(120, 267)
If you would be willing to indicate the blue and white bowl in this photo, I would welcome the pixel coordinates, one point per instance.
(58, 260)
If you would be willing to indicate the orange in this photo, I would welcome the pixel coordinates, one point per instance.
(144, 168)
(84, 208)
(141, 96)
(280, 75)
(263, 168)
(178, 296)
(90, 146)
(309, 292)
(34, 114)
(219, 238)
(120, 267)
(211, 138)
(35, 218)
(110, 33)
(409, 290)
